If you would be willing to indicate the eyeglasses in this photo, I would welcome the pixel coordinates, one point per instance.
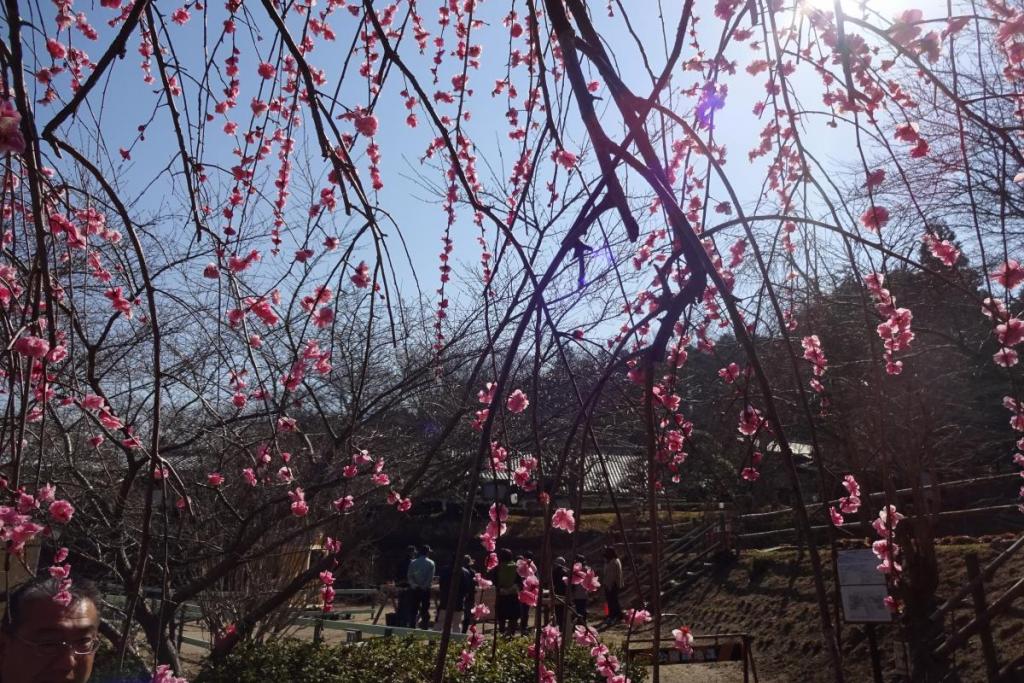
(55, 648)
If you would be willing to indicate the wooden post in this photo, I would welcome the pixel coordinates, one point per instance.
(383, 603)
(988, 647)
(876, 658)
(750, 657)
(747, 659)
(318, 629)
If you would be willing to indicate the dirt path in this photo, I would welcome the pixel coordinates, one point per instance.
(724, 672)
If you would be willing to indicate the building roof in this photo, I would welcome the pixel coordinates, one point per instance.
(625, 472)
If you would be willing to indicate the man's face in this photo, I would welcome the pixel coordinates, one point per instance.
(33, 654)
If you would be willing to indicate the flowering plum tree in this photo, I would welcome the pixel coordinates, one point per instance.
(215, 298)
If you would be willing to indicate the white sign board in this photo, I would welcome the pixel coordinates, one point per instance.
(862, 587)
(859, 568)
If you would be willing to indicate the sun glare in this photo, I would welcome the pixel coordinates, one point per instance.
(857, 7)
(830, 5)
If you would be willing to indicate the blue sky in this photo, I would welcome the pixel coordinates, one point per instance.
(129, 102)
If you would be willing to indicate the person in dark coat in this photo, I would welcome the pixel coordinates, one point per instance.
(404, 612)
(579, 594)
(560, 588)
(444, 585)
(467, 591)
(524, 609)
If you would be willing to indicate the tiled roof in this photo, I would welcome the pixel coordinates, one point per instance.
(625, 472)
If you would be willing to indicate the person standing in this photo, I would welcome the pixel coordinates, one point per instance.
(467, 591)
(421, 578)
(444, 587)
(524, 609)
(560, 588)
(405, 615)
(579, 593)
(506, 584)
(611, 579)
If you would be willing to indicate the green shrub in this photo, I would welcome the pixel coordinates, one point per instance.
(387, 660)
(108, 669)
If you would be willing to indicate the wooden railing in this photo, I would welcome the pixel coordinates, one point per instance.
(984, 613)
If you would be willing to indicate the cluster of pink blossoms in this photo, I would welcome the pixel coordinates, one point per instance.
(635, 618)
(1017, 423)
(875, 218)
(730, 373)
(16, 525)
(849, 504)
(751, 421)
(486, 397)
(495, 529)
(333, 547)
(606, 664)
(550, 643)
(327, 590)
(895, 330)
(11, 139)
(816, 357)
(467, 658)
(751, 472)
(164, 673)
(529, 594)
(1009, 329)
(585, 578)
(17, 529)
(887, 551)
(60, 571)
(943, 250)
(683, 639)
(523, 475)
(517, 402)
(322, 295)
(563, 519)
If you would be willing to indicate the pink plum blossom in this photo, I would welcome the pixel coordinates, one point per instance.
(683, 639)
(875, 218)
(563, 519)
(299, 506)
(34, 347)
(517, 401)
(11, 139)
(61, 511)
(366, 124)
(1009, 274)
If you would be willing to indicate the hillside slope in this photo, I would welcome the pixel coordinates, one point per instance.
(770, 594)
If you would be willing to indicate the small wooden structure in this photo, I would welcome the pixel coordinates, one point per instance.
(707, 649)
